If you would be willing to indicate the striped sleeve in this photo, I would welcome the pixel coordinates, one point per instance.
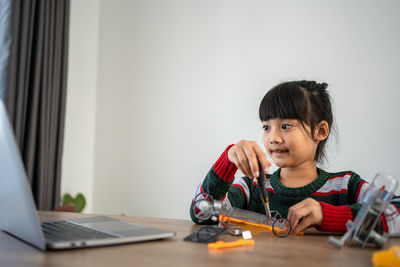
(392, 216)
(336, 212)
(217, 183)
(356, 190)
(334, 218)
(239, 193)
(223, 168)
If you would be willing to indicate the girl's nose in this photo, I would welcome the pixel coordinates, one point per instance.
(275, 137)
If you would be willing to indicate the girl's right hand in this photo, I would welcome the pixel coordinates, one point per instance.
(245, 154)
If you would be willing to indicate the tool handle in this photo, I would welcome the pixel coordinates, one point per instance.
(261, 184)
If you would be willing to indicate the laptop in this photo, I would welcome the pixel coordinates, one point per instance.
(19, 218)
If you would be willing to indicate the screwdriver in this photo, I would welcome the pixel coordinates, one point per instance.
(263, 193)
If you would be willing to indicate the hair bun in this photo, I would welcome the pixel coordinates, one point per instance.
(313, 87)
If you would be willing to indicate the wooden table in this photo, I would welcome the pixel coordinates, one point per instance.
(307, 250)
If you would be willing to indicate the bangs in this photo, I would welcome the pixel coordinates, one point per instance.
(285, 101)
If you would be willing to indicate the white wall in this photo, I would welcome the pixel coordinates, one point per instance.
(78, 157)
(179, 80)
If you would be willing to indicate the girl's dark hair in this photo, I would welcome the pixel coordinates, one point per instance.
(306, 101)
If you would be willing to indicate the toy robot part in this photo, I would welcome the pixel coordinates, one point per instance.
(281, 227)
(247, 235)
(374, 202)
(232, 229)
(205, 208)
(275, 215)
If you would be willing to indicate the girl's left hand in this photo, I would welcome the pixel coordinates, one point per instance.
(305, 214)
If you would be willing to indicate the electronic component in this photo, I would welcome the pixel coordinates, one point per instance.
(206, 234)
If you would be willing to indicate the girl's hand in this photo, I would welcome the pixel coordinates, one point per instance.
(305, 214)
(245, 155)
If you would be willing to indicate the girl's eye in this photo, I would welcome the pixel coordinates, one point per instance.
(286, 126)
(266, 127)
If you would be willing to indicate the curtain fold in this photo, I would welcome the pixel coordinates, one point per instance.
(5, 41)
(36, 92)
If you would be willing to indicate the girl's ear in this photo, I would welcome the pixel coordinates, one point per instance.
(322, 131)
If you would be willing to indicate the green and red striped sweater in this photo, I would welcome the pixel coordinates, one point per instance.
(338, 193)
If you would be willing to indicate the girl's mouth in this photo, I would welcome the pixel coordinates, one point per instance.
(279, 152)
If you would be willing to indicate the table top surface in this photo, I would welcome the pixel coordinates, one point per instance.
(307, 250)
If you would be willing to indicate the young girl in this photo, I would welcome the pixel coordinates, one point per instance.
(297, 120)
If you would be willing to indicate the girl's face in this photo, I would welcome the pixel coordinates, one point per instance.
(287, 143)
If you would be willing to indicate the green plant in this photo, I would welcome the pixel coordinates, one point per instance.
(79, 201)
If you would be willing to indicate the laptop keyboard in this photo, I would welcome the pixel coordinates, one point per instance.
(67, 231)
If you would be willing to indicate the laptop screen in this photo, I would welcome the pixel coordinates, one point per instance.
(17, 208)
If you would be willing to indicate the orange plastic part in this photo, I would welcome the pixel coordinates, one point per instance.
(387, 258)
(239, 243)
(255, 228)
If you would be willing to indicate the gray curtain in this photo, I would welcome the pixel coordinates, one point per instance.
(5, 40)
(36, 90)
